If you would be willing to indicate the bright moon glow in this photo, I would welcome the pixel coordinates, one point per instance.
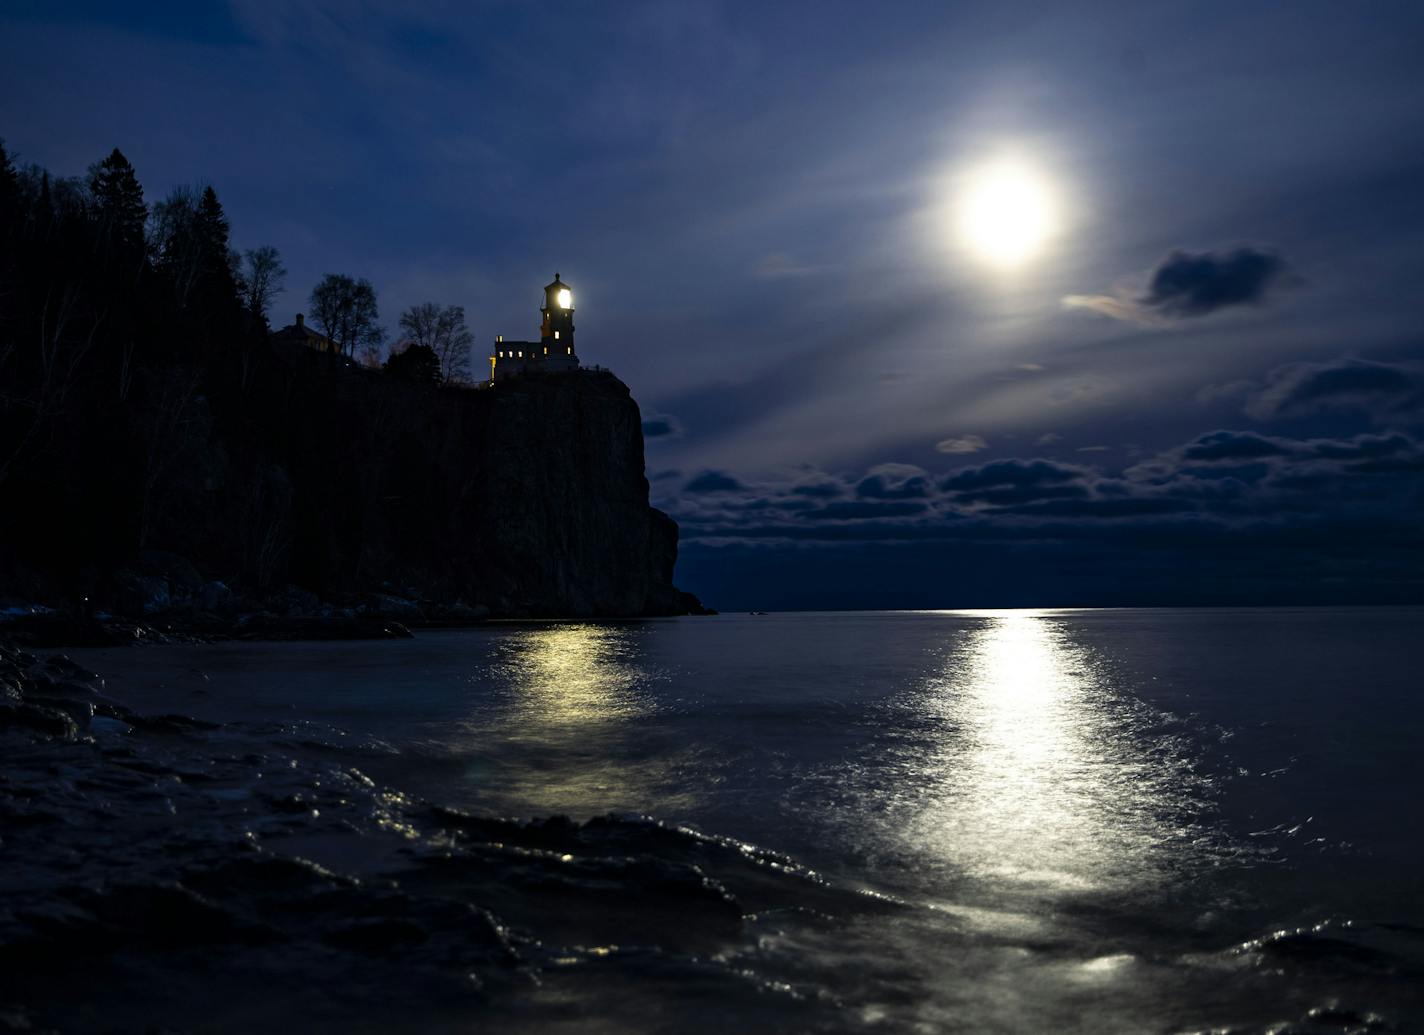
(1006, 213)
(566, 298)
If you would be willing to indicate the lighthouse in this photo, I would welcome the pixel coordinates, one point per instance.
(554, 351)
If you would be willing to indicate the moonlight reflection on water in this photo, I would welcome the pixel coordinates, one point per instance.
(1038, 777)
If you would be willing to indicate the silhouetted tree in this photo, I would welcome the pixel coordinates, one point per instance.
(189, 242)
(263, 278)
(219, 260)
(415, 363)
(9, 224)
(443, 331)
(118, 201)
(344, 309)
(9, 189)
(372, 355)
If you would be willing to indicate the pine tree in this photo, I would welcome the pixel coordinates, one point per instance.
(9, 184)
(217, 255)
(118, 197)
(213, 228)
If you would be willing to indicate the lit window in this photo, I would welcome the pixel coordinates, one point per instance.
(546, 350)
(556, 335)
(571, 350)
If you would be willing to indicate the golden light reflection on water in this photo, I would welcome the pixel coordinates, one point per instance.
(573, 694)
(573, 676)
(1038, 781)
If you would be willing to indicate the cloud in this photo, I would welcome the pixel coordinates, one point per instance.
(1141, 506)
(1234, 445)
(860, 510)
(961, 444)
(1362, 447)
(1301, 389)
(894, 482)
(661, 426)
(713, 481)
(1001, 473)
(1191, 284)
(819, 488)
(1197, 283)
(1225, 506)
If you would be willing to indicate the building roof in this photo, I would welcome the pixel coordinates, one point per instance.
(299, 332)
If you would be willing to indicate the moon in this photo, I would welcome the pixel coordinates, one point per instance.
(1007, 213)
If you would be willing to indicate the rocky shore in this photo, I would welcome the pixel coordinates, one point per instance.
(165, 600)
(168, 874)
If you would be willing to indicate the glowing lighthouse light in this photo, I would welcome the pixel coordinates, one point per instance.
(565, 299)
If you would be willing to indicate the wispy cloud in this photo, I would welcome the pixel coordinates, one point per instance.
(961, 444)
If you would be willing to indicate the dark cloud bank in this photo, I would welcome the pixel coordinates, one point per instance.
(1232, 516)
(1387, 391)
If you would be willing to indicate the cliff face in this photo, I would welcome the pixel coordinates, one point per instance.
(528, 498)
(561, 507)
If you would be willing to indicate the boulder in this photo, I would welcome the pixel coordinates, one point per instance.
(142, 594)
(399, 608)
(216, 598)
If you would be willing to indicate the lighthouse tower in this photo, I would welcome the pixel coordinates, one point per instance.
(556, 331)
(554, 351)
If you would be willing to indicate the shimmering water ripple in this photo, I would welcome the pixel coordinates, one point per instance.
(1117, 821)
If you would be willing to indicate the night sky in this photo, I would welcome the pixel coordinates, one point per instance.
(1203, 382)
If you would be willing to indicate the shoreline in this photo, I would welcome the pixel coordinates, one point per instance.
(55, 630)
(159, 860)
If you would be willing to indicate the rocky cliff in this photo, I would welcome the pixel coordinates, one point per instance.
(336, 483)
(561, 504)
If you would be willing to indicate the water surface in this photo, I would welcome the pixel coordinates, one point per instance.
(1106, 820)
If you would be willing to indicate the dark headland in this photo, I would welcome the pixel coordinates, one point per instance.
(170, 461)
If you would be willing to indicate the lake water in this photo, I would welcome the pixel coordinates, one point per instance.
(1102, 820)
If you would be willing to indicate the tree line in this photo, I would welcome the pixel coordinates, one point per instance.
(140, 383)
(184, 240)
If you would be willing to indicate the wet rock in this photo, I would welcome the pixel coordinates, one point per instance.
(178, 572)
(167, 916)
(61, 630)
(46, 720)
(1313, 948)
(460, 613)
(138, 595)
(400, 608)
(216, 597)
(377, 936)
(296, 602)
(263, 876)
(67, 668)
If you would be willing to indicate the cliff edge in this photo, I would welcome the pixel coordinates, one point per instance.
(525, 499)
